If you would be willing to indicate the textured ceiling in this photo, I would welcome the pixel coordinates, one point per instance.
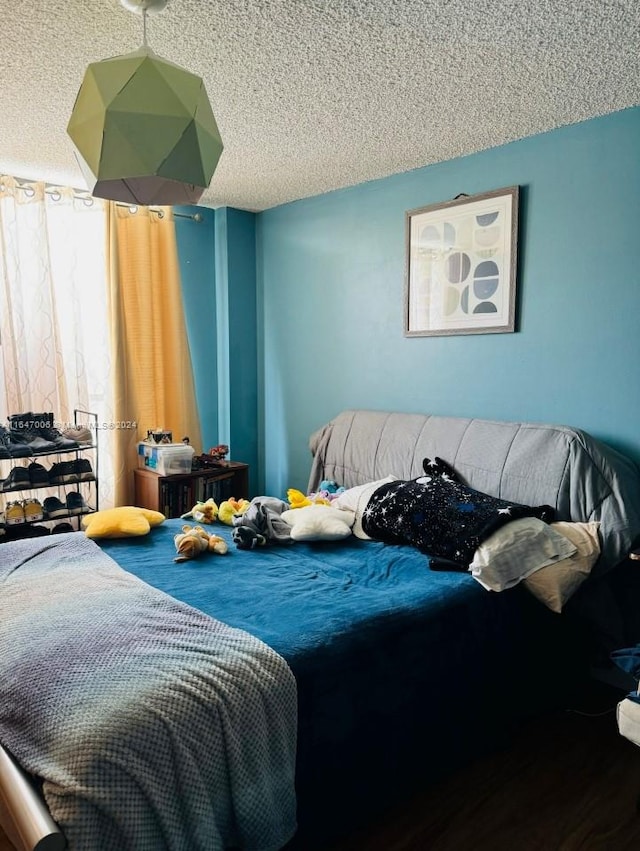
(313, 95)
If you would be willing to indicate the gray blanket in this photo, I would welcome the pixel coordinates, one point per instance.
(262, 524)
(151, 725)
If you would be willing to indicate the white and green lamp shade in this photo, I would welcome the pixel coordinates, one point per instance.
(144, 131)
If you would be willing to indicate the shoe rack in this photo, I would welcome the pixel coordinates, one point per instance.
(50, 490)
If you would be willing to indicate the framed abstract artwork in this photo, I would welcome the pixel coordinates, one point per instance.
(461, 258)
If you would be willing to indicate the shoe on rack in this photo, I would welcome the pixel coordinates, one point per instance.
(37, 531)
(17, 480)
(61, 528)
(21, 422)
(81, 434)
(53, 507)
(14, 514)
(63, 472)
(22, 431)
(33, 510)
(17, 533)
(76, 503)
(38, 475)
(45, 428)
(9, 446)
(83, 470)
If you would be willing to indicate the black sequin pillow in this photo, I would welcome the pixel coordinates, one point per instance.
(441, 515)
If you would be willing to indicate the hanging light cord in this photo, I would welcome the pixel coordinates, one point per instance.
(144, 27)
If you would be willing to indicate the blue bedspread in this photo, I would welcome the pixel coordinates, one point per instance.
(401, 671)
(299, 598)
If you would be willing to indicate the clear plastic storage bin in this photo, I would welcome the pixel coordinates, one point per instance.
(166, 459)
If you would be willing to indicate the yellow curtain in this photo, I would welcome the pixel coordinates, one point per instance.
(152, 376)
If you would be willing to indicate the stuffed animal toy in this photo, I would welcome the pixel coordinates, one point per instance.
(298, 500)
(247, 539)
(193, 541)
(329, 488)
(219, 452)
(231, 508)
(126, 521)
(319, 498)
(319, 523)
(202, 512)
(326, 493)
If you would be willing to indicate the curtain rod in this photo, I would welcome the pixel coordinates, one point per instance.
(195, 217)
(82, 195)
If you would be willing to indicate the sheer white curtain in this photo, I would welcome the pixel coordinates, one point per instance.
(53, 309)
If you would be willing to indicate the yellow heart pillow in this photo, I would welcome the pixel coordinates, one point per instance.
(127, 521)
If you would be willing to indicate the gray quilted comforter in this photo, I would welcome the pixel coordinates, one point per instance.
(151, 725)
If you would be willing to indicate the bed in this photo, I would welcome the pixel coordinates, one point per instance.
(404, 673)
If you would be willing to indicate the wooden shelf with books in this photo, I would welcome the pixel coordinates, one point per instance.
(177, 494)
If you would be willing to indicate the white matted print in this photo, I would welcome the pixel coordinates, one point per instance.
(461, 265)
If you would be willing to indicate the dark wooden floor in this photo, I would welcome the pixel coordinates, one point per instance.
(568, 783)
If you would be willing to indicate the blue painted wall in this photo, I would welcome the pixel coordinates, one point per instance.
(330, 295)
(238, 338)
(196, 258)
(217, 258)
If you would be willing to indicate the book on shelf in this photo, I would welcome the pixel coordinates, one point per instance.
(218, 490)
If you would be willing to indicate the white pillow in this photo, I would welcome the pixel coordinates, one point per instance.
(555, 584)
(517, 550)
(318, 523)
(355, 499)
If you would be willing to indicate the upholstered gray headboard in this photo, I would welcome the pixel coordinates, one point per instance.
(530, 463)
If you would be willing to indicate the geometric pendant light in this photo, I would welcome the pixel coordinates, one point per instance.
(143, 127)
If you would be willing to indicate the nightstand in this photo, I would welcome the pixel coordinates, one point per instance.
(175, 495)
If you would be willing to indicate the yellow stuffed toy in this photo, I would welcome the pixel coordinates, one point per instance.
(193, 541)
(202, 512)
(127, 521)
(231, 508)
(299, 500)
